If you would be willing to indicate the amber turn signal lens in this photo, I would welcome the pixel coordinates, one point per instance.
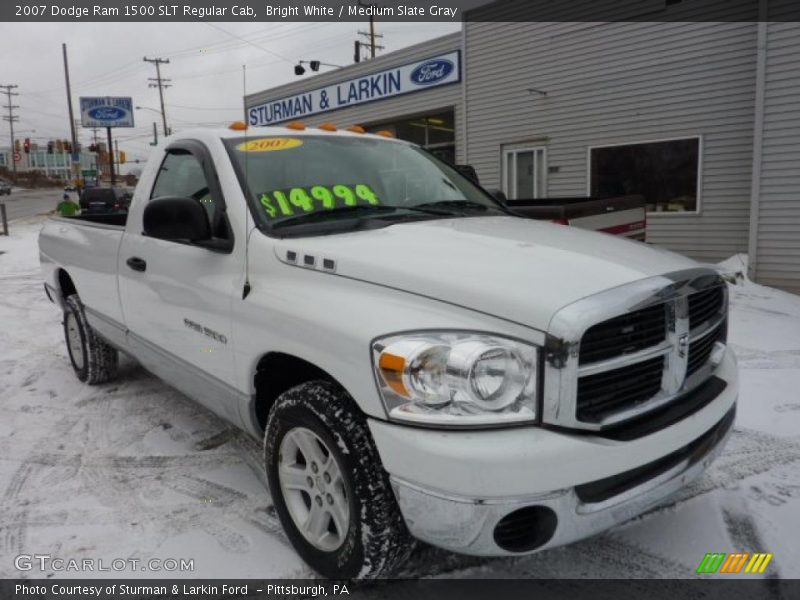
(392, 367)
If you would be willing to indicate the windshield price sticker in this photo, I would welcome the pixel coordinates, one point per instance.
(269, 144)
(286, 203)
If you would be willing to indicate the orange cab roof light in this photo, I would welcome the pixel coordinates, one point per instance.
(238, 126)
(357, 129)
(327, 127)
(296, 125)
(385, 133)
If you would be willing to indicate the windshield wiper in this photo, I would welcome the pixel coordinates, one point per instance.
(353, 210)
(458, 205)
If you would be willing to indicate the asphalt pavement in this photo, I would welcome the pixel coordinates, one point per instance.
(22, 204)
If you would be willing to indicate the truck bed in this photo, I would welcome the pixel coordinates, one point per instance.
(86, 247)
(114, 219)
(619, 215)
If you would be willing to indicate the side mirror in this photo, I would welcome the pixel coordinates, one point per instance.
(499, 195)
(175, 218)
(469, 172)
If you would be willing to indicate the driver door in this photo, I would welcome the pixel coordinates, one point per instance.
(176, 297)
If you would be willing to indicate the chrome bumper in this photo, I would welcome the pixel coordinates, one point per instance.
(467, 525)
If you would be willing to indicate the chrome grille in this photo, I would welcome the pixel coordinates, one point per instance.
(700, 350)
(624, 335)
(611, 391)
(623, 353)
(705, 306)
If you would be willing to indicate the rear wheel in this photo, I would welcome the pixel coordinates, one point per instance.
(94, 360)
(328, 485)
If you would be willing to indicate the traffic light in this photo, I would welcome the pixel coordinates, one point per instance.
(17, 146)
(49, 147)
(122, 157)
(92, 147)
(27, 145)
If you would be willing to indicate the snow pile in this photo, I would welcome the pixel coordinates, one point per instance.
(133, 469)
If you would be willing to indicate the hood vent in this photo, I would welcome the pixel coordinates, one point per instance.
(309, 261)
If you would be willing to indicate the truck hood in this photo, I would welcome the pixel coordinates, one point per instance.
(516, 269)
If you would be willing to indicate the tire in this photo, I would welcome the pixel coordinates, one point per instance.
(93, 359)
(309, 420)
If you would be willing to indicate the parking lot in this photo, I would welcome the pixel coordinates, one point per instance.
(133, 469)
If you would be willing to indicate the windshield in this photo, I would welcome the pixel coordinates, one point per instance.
(326, 179)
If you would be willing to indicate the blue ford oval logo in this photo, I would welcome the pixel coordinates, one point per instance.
(107, 113)
(432, 71)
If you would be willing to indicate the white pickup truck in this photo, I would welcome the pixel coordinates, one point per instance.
(419, 363)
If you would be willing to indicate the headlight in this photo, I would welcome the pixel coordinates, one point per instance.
(456, 379)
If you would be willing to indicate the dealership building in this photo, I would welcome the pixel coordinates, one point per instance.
(700, 117)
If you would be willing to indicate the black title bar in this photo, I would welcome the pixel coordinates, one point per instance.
(398, 10)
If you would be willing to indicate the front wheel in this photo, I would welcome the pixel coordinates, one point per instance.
(328, 485)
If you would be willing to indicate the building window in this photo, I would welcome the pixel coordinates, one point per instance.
(435, 132)
(665, 172)
(525, 173)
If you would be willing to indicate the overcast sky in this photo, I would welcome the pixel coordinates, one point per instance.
(205, 67)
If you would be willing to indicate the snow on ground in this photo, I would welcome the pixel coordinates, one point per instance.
(133, 469)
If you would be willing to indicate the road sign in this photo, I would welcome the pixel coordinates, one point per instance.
(107, 111)
(89, 173)
(17, 157)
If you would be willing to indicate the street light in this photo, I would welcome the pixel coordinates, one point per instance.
(314, 65)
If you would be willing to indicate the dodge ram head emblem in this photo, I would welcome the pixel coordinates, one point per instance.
(683, 345)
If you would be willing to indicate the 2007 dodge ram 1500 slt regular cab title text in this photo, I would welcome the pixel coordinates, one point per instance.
(420, 363)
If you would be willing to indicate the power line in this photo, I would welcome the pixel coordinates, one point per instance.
(160, 85)
(260, 47)
(205, 107)
(11, 118)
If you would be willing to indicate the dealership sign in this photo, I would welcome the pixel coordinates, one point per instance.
(414, 77)
(107, 111)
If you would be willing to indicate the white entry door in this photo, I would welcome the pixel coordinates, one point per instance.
(525, 172)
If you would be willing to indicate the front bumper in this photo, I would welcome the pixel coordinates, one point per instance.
(460, 490)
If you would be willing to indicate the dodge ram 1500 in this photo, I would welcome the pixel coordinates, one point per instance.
(419, 362)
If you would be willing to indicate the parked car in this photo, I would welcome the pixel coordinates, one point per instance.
(419, 362)
(5, 188)
(105, 200)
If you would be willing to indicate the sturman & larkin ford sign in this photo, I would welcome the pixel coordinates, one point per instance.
(405, 79)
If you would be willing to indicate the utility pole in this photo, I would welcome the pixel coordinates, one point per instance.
(159, 83)
(11, 118)
(110, 153)
(76, 167)
(371, 35)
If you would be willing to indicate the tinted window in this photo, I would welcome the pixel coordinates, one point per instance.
(290, 176)
(99, 195)
(665, 173)
(181, 174)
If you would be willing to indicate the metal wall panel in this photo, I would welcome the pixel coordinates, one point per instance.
(611, 83)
